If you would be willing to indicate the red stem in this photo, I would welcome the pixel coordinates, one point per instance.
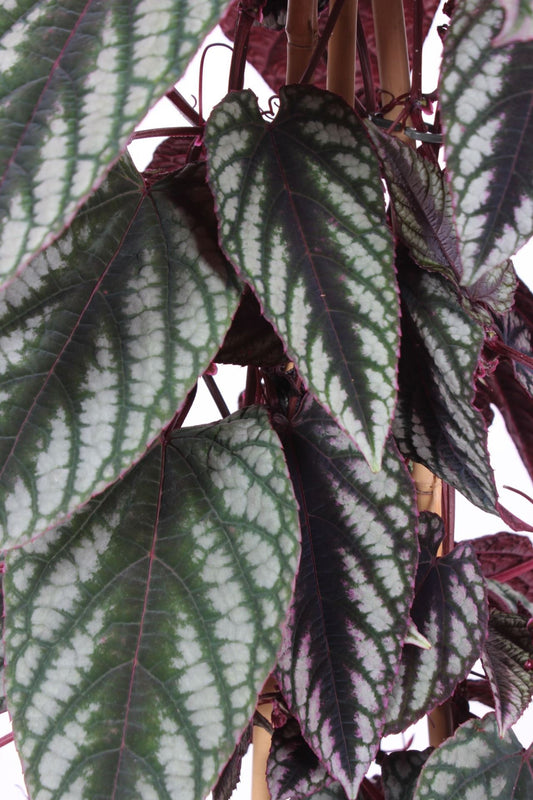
(513, 572)
(497, 346)
(366, 67)
(245, 20)
(216, 395)
(189, 131)
(7, 739)
(182, 105)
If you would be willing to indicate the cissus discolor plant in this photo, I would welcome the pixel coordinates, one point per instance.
(155, 575)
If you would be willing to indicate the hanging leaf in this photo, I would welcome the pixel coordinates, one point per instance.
(350, 610)
(516, 330)
(251, 340)
(100, 340)
(435, 422)
(503, 556)
(507, 653)
(400, 771)
(486, 96)
(303, 220)
(477, 764)
(425, 222)
(293, 769)
(76, 80)
(231, 774)
(137, 635)
(450, 610)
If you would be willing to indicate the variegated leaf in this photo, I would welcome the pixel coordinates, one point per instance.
(137, 634)
(293, 769)
(400, 771)
(101, 337)
(425, 222)
(435, 422)
(508, 649)
(486, 96)
(518, 26)
(504, 597)
(302, 217)
(516, 329)
(450, 610)
(76, 79)
(353, 592)
(476, 764)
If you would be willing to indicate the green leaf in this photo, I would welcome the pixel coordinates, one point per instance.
(350, 610)
(302, 217)
(400, 771)
(476, 764)
(425, 222)
(518, 26)
(486, 96)
(435, 422)
(138, 634)
(101, 337)
(76, 79)
(450, 610)
(508, 648)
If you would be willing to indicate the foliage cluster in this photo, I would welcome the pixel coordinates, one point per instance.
(155, 575)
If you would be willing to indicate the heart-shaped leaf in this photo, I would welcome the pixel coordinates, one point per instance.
(486, 96)
(350, 610)
(101, 337)
(507, 652)
(75, 81)
(476, 763)
(435, 422)
(303, 220)
(138, 634)
(450, 610)
(425, 222)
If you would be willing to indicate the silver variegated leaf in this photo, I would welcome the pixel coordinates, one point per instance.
(477, 764)
(138, 634)
(76, 79)
(303, 220)
(450, 610)
(518, 25)
(350, 610)
(508, 598)
(293, 769)
(101, 337)
(400, 771)
(435, 422)
(508, 648)
(425, 221)
(486, 94)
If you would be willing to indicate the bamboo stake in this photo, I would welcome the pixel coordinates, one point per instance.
(341, 52)
(391, 46)
(261, 747)
(302, 34)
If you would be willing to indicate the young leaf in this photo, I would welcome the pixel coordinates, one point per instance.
(302, 217)
(450, 610)
(435, 422)
(75, 81)
(508, 648)
(350, 610)
(101, 337)
(137, 634)
(425, 222)
(477, 764)
(486, 97)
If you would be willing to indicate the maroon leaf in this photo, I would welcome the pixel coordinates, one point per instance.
(507, 557)
(251, 340)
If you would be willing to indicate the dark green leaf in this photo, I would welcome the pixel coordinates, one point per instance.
(476, 764)
(76, 78)
(400, 771)
(353, 592)
(486, 96)
(303, 219)
(508, 649)
(101, 337)
(450, 610)
(138, 634)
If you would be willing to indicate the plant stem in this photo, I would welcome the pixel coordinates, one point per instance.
(322, 43)
(215, 393)
(185, 107)
(302, 33)
(391, 46)
(341, 52)
(261, 740)
(513, 572)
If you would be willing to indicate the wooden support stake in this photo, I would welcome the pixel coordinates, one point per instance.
(261, 747)
(341, 52)
(391, 46)
(302, 34)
